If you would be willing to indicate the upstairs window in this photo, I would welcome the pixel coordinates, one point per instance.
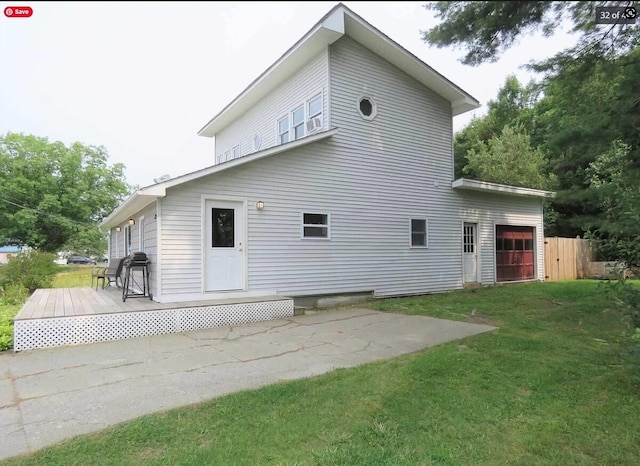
(227, 156)
(314, 111)
(283, 130)
(305, 119)
(315, 107)
(297, 118)
(237, 152)
(367, 108)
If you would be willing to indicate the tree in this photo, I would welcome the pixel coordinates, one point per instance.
(513, 106)
(510, 159)
(579, 119)
(52, 195)
(489, 28)
(591, 94)
(613, 179)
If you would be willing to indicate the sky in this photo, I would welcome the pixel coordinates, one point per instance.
(141, 79)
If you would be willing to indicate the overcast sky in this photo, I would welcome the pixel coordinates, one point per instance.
(142, 78)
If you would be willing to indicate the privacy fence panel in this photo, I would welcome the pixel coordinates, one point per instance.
(566, 258)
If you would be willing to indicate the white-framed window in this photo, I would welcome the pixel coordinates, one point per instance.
(419, 232)
(297, 123)
(220, 158)
(283, 130)
(117, 243)
(315, 225)
(141, 234)
(227, 155)
(257, 141)
(237, 152)
(127, 240)
(304, 119)
(314, 107)
(367, 108)
(314, 114)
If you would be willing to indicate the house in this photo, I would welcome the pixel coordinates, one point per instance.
(333, 174)
(7, 252)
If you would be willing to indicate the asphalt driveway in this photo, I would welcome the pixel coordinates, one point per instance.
(50, 395)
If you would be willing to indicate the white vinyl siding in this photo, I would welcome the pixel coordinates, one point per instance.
(310, 81)
(115, 245)
(372, 176)
(144, 238)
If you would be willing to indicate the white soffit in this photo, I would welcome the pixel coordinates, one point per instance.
(485, 186)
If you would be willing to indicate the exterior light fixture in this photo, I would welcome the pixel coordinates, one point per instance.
(132, 222)
(260, 205)
(118, 228)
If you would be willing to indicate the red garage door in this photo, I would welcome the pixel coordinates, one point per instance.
(514, 253)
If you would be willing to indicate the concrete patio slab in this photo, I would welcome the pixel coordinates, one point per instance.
(50, 395)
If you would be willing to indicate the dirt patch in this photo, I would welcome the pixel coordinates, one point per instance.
(476, 318)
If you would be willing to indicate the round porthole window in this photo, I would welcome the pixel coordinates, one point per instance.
(367, 108)
(257, 141)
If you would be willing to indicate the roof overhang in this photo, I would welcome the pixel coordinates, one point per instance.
(495, 188)
(376, 41)
(338, 22)
(145, 196)
(325, 32)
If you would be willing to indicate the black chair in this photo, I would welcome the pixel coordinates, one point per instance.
(109, 274)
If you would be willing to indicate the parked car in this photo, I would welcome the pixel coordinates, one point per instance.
(80, 260)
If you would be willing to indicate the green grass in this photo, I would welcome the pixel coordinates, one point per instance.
(73, 276)
(552, 386)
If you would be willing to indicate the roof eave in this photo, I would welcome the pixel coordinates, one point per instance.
(134, 203)
(369, 36)
(329, 29)
(495, 188)
(143, 197)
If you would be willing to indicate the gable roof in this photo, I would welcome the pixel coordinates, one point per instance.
(339, 21)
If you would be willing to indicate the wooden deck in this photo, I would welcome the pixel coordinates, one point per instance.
(68, 302)
(73, 316)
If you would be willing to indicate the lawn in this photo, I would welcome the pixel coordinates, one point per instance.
(73, 276)
(552, 386)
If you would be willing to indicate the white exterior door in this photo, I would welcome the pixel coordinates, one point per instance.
(470, 253)
(224, 248)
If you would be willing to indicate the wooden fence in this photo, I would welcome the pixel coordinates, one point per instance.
(566, 258)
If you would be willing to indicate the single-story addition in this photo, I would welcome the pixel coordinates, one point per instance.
(333, 174)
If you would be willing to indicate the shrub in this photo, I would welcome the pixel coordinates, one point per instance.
(13, 293)
(6, 336)
(31, 269)
(7, 313)
(627, 294)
